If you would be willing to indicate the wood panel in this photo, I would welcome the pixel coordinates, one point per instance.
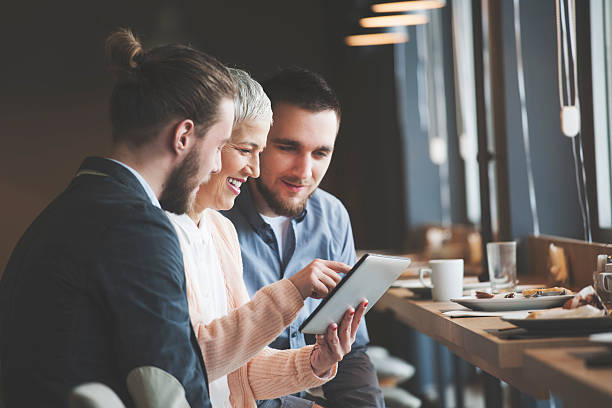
(581, 257)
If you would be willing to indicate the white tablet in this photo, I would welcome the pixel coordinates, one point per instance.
(368, 279)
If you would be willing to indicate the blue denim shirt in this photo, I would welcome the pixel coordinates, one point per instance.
(322, 230)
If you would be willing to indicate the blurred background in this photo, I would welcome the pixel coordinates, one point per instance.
(450, 136)
(55, 92)
(406, 153)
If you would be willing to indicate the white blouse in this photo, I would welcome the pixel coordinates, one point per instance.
(200, 258)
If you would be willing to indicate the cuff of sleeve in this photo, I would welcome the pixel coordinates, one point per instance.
(305, 371)
(287, 297)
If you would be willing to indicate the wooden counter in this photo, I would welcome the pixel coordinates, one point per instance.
(467, 338)
(564, 372)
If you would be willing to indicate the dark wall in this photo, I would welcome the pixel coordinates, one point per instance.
(55, 90)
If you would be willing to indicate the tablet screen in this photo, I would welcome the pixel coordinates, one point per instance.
(368, 279)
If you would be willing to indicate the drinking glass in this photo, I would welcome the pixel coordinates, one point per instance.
(502, 265)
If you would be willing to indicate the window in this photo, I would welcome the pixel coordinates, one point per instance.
(601, 60)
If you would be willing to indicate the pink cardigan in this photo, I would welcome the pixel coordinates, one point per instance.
(236, 344)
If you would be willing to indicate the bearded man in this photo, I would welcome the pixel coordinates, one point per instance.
(96, 285)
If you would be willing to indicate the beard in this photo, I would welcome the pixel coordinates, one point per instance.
(179, 194)
(279, 206)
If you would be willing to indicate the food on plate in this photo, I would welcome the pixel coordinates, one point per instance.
(556, 291)
(527, 293)
(560, 313)
(584, 304)
(586, 296)
(483, 295)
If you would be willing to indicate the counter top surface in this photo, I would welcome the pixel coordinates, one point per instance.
(474, 338)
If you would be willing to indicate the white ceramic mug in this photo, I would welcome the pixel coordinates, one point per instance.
(446, 278)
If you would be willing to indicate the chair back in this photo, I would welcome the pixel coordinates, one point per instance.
(581, 258)
(94, 395)
(152, 387)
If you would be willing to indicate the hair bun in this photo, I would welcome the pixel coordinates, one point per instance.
(123, 52)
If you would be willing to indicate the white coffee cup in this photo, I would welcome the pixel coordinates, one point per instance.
(446, 278)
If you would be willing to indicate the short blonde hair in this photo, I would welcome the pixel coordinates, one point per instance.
(250, 101)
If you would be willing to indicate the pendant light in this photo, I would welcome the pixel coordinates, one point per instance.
(361, 40)
(410, 5)
(395, 24)
(394, 20)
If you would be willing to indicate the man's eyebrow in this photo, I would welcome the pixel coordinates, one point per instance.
(286, 142)
(247, 143)
(293, 143)
(324, 148)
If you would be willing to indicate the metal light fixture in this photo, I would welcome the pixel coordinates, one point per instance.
(437, 150)
(410, 5)
(394, 20)
(360, 40)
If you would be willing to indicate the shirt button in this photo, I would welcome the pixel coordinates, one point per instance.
(294, 334)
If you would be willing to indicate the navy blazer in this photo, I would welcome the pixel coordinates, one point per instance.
(95, 288)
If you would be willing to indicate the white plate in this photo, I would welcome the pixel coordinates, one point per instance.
(605, 339)
(417, 287)
(517, 303)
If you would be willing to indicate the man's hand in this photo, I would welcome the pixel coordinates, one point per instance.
(333, 346)
(318, 278)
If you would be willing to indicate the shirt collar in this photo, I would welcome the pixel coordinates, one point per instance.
(143, 182)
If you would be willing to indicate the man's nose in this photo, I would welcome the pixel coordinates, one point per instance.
(303, 167)
(217, 163)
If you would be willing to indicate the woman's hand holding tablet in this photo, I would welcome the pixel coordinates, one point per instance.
(336, 343)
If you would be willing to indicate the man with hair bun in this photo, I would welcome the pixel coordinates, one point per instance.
(96, 285)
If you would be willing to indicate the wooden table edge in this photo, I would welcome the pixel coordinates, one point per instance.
(568, 385)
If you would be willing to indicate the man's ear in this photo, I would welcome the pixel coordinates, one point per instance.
(183, 136)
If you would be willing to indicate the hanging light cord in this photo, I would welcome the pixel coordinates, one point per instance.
(585, 195)
(524, 117)
(563, 63)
